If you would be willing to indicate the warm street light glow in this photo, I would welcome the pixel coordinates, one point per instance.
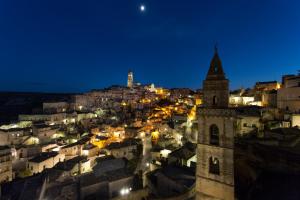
(125, 191)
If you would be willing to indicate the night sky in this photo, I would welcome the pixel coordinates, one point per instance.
(78, 45)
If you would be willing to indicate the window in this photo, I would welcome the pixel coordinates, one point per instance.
(214, 100)
(214, 134)
(214, 166)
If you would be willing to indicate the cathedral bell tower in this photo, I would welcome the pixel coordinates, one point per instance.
(215, 161)
(130, 79)
(215, 86)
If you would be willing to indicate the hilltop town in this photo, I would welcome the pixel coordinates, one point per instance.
(140, 141)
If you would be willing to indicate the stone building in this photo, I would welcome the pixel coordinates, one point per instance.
(55, 107)
(183, 156)
(90, 150)
(44, 160)
(267, 86)
(83, 102)
(75, 149)
(5, 164)
(44, 132)
(126, 149)
(248, 120)
(14, 136)
(288, 97)
(215, 164)
(56, 118)
(75, 166)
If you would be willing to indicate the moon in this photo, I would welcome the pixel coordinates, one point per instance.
(142, 8)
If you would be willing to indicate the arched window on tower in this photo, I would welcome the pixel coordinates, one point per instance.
(214, 100)
(214, 166)
(214, 135)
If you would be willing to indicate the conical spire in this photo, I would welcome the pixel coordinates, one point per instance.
(215, 71)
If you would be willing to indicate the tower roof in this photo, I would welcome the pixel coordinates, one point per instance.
(215, 71)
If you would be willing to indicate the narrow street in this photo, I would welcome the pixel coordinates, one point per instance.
(146, 155)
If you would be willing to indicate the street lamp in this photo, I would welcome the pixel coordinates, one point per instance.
(125, 191)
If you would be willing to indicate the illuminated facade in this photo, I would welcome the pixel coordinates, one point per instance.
(43, 161)
(238, 100)
(295, 120)
(215, 164)
(267, 86)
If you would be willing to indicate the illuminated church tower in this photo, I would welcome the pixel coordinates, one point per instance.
(215, 161)
(130, 79)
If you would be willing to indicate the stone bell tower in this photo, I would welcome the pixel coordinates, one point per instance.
(215, 161)
(130, 79)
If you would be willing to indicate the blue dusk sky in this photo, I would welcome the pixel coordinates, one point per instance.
(78, 45)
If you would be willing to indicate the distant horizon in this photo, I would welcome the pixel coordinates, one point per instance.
(124, 85)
